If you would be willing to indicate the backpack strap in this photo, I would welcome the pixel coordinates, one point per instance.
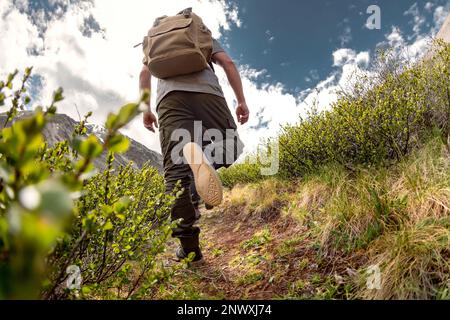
(212, 66)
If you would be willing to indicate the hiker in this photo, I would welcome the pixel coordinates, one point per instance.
(179, 51)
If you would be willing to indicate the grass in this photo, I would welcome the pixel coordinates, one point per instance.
(242, 173)
(397, 218)
(289, 246)
(217, 252)
(260, 239)
(251, 278)
(401, 222)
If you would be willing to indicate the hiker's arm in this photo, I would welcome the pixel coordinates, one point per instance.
(145, 83)
(224, 60)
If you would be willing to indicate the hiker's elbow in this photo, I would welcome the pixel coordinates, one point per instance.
(228, 64)
(145, 77)
(224, 60)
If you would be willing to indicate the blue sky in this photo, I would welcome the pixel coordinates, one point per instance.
(294, 40)
(290, 53)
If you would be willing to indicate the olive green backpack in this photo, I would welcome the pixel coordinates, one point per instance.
(178, 45)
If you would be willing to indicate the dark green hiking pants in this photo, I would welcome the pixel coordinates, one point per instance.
(193, 114)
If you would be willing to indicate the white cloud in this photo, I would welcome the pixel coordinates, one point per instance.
(395, 38)
(17, 36)
(101, 72)
(429, 6)
(270, 36)
(346, 37)
(363, 59)
(406, 50)
(312, 75)
(440, 14)
(413, 48)
(418, 19)
(343, 56)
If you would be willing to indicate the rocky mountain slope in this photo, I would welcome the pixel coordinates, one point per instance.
(61, 126)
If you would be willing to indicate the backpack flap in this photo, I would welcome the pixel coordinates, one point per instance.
(178, 45)
(169, 26)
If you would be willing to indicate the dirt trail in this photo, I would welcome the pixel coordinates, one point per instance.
(250, 256)
(239, 256)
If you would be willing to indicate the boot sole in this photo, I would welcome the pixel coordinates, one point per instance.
(207, 181)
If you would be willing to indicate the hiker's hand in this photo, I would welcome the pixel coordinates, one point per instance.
(150, 121)
(242, 112)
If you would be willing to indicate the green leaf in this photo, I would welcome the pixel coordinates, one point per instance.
(91, 147)
(127, 113)
(106, 210)
(58, 95)
(76, 143)
(51, 110)
(82, 163)
(122, 205)
(28, 71)
(118, 144)
(85, 290)
(55, 199)
(111, 121)
(108, 226)
(121, 217)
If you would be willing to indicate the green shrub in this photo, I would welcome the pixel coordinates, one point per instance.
(381, 120)
(241, 173)
(54, 213)
(120, 228)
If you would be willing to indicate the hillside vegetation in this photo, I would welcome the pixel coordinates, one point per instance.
(319, 237)
(367, 184)
(364, 186)
(67, 231)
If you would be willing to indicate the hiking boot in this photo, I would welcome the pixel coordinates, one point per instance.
(182, 254)
(207, 181)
